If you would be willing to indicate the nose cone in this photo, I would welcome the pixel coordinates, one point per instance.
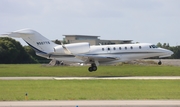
(171, 52)
(166, 53)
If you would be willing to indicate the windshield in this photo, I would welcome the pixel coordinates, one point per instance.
(153, 46)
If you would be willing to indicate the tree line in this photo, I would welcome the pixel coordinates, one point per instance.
(175, 49)
(12, 52)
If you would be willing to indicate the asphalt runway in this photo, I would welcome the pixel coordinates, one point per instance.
(91, 78)
(93, 103)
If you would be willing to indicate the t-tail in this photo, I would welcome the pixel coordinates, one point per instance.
(35, 40)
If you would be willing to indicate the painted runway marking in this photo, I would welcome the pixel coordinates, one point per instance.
(120, 78)
(94, 78)
(93, 103)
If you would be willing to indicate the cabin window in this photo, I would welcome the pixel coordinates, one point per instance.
(140, 47)
(126, 48)
(131, 47)
(109, 49)
(102, 49)
(149, 46)
(119, 48)
(114, 48)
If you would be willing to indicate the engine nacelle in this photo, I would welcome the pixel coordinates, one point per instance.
(74, 48)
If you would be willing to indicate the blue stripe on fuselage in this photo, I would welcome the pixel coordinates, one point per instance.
(37, 50)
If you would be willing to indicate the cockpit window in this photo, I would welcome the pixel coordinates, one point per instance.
(153, 46)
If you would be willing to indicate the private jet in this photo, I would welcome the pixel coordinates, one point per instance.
(84, 53)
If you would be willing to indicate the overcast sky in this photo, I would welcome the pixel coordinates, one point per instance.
(149, 21)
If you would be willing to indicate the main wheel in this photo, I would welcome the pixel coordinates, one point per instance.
(90, 69)
(94, 68)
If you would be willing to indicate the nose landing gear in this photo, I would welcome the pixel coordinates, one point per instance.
(159, 63)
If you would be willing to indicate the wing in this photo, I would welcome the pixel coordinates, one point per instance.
(88, 58)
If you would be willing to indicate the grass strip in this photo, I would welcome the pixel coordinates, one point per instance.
(89, 89)
(28, 70)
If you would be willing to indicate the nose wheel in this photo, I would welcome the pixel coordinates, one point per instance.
(159, 63)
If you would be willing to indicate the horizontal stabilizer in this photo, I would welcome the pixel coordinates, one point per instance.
(4, 35)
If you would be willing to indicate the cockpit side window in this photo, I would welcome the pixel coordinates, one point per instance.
(153, 46)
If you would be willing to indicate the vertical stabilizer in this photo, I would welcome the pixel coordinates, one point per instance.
(35, 40)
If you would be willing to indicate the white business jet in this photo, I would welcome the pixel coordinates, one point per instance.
(84, 53)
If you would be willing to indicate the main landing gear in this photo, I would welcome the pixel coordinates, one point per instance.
(92, 68)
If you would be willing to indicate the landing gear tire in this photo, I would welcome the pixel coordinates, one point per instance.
(159, 63)
(92, 68)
